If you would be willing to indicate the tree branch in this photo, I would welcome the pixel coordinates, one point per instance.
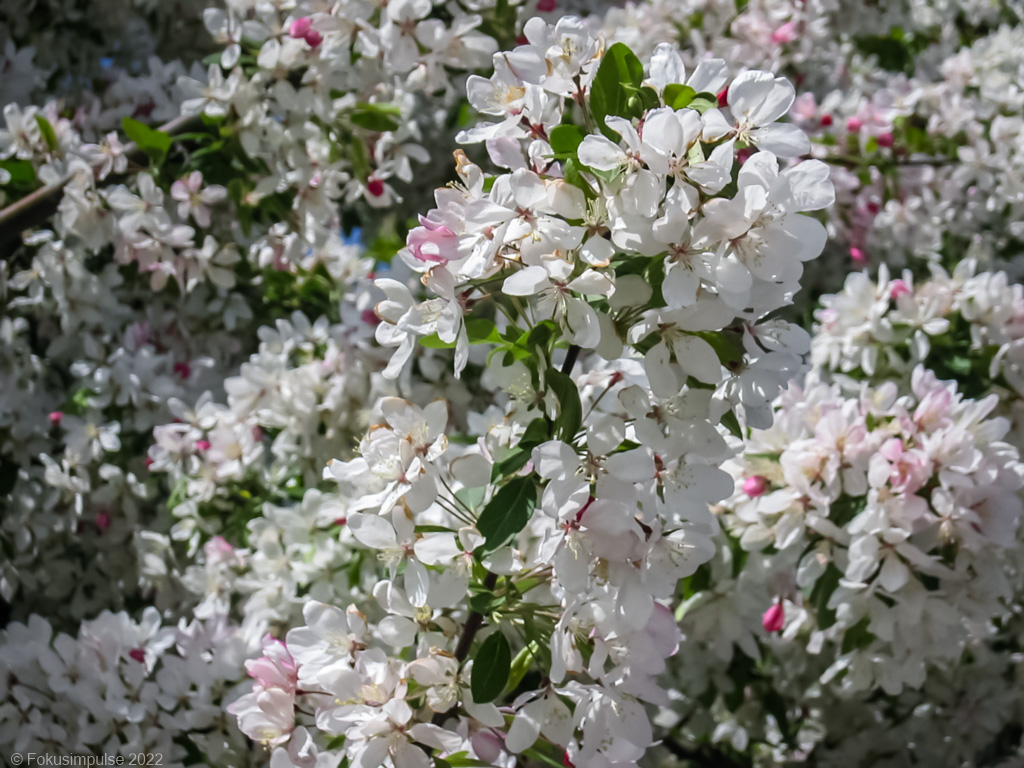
(35, 208)
(570, 359)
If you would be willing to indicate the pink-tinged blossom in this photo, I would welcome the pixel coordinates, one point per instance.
(898, 288)
(266, 716)
(194, 199)
(276, 668)
(433, 242)
(785, 34)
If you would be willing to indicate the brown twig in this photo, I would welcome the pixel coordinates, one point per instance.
(36, 207)
(473, 623)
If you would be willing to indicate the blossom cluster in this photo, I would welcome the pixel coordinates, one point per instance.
(626, 253)
(965, 326)
(896, 510)
(301, 467)
(870, 546)
(123, 688)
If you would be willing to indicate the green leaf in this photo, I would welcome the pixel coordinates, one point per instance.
(480, 330)
(433, 341)
(491, 667)
(151, 141)
(857, 636)
(845, 508)
(820, 594)
(536, 433)
(570, 411)
(618, 78)
(336, 743)
(564, 140)
(49, 135)
(678, 96)
(648, 98)
(730, 422)
(703, 101)
(507, 513)
(359, 158)
(376, 117)
(521, 664)
(728, 345)
(23, 174)
(571, 170)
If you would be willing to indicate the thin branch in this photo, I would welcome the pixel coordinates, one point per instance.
(703, 755)
(473, 623)
(570, 359)
(856, 162)
(35, 208)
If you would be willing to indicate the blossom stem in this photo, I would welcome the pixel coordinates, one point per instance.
(473, 623)
(570, 359)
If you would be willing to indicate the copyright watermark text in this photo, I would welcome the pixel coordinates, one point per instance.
(43, 759)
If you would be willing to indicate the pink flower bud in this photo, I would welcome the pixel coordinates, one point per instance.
(340, 521)
(826, 120)
(854, 124)
(857, 254)
(103, 520)
(202, 445)
(744, 154)
(148, 462)
(898, 288)
(370, 317)
(885, 139)
(138, 654)
(313, 38)
(755, 486)
(182, 370)
(723, 97)
(300, 27)
(546, 6)
(375, 186)
(774, 619)
(785, 34)
(55, 417)
(487, 746)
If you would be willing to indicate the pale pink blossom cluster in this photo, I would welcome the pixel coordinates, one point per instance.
(890, 521)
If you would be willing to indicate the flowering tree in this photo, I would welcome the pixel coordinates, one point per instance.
(300, 467)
